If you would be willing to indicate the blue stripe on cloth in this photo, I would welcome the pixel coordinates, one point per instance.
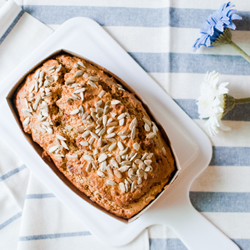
(238, 113)
(6, 33)
(230, 156)
(10, 220)
(191, 63)
(11, 173)
(124, 16)
(176, 244)
(221, 202)
(39, 196)
(53, 236)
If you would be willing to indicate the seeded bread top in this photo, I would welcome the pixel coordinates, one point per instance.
(95, 131)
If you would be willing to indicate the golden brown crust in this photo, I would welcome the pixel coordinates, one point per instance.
(97, 134)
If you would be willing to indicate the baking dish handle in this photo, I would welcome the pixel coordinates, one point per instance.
(197, 233)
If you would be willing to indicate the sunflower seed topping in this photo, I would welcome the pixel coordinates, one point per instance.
(146, 121)
(102, 158)
(84, 143)
(92, 84)
(136, 146)
(102, 93)
(78, 73)
(61, 138)
(81, 64)
(110, 182)
(79, 91)
(122, 187)
(120, 145)
(151, 135)
(74, 112)
(53, 149)
(117, 173)
(26, 121)
(124, 168)
(164, 151)
(112, 147)
(64, 145)
(93, 78)
(100, 173)
(114, 102)
(103, 166)
(147, 127)
(89, 166)
(111, 135)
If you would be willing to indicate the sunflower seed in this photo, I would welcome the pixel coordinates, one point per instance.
(94, 135)
(100, 173)
(81, 64)
(88, 158)
(126, 163)
(110, 182)
(121, 116)
(76, 65)
(144, 156)
(112, 146)
(122, 187)
(133, 133)
(79, 90)
(85, 134)
(127, 185)
(31, 88)
(94, 165)
(164, 151)
(93, 78)
(113, 114)
(51, 68)
(150, 156)
(26, 121)
(114, 102)
(74, 112)
(53, 149)
(50, 130)
(133, 157)
(124, 168)
(146, 121)
(132, 189)
(102, 93)
(102, 158)
(140, 172)
(36, 102)
(59, 155)
(103, 166)
(148, 168)
(64, 145)
(84, 143)
(110, 130)
(78, 73)
(26, 112)
(118, 158)
(133, 124)
(111, 135)
(99, 142)
(151, 135)
(95, 152)
(122, 152)
(111, 124)
(61, 138)
(136, 146)
(117, 173)
(89, 166)
(102, 132)
(104, 120)
(114, 163)
(91, 140)
(69, 82)
(110, 171)
(120, 145)
(59, 68)
(147, 127)
(155, 129)
(37, 74)
(121, 122)
(92, 84)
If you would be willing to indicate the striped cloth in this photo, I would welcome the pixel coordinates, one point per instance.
(159, 36)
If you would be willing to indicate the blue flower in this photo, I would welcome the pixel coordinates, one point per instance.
(215, 25)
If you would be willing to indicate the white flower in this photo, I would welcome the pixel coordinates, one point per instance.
(211, 102)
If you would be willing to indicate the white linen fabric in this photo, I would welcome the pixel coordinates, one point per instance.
(159, 36)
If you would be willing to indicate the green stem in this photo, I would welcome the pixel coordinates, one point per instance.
(240, 51)
(242, 100)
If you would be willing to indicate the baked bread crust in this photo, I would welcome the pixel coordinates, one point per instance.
(98, 134)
